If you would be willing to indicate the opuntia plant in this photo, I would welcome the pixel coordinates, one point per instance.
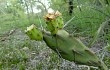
(34, 33)
(54, 22)
(63, 43)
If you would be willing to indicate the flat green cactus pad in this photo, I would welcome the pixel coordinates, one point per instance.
(34, 33)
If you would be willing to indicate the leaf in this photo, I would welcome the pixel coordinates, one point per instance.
(96, 35)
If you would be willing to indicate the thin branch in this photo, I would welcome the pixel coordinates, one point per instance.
(68, 21)
(42, 5)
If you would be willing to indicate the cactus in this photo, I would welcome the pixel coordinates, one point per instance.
(54, 22)
(59, 19)
(34, 33)
(69, 47)
(73, 49)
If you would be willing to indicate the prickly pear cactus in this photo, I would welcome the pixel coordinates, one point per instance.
(69, 47)
(54, 22)
(34, 33)
(72, 49)
(59, 19)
